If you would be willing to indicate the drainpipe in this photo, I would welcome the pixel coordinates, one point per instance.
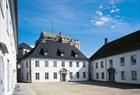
(106, 67)
(30, 72)
(105, 43)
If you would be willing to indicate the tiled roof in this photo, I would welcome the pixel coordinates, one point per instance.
(25, 46)
(52, 47)
(124, 44)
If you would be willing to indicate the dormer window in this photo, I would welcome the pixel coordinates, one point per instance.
(74, 53)
(43, 52)
(60, 52)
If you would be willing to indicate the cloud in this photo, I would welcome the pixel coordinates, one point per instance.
(107, 15)
(99, 13)
(114, 10)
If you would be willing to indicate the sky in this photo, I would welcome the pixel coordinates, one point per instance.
(89, 21)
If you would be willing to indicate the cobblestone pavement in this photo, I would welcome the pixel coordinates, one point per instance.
(77, 88)
(23, 89)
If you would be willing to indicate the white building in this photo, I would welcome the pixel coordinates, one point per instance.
(8, 46)
(118, 61)
(53, 61)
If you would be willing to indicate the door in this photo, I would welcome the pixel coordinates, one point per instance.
(63, 77)
(111, 73)
(1, 75)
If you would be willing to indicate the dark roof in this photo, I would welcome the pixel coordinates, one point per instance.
(52, 47)
(24, 46)
(125, 44)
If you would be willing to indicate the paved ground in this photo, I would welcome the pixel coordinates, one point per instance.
(77, 88)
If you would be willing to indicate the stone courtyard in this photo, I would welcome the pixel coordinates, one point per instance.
(77, 88)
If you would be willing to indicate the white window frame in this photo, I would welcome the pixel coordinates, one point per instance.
(134, 75)
(46, 63)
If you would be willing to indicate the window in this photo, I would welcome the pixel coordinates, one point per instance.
(84, 74)
(55, 75)
(46, 75)
(102, 74)
(134, 75)
(122, 75)
(96, 65)
(133, 59)
(26, 52)
(74, 53)
(84, 64)
(36, 63)
(70, 64)
(122, 61)
(1, 7)
(110, 63)
(37, 76)
(8, 74)
(63, 63)
(97, 75)
(46, 64)
(102, 64)
(26, 64)
(45, 53)
(27, 76)
(77, 74)
(71, 75)
(60, 52)
(55, 64)
(77, 64)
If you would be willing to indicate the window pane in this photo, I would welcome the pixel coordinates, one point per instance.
(55, 75)
(122, 75)
(77, 64)
(46, 75)
(84, 74)
(134, 75)
(77, 74)
(46, 64)
(84, 64)
(63, 64)
(103, 75)
(97, 76)
(70, 64)
(55, 63)
(133, 59)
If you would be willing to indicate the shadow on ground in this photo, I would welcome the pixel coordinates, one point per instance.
(111, 84)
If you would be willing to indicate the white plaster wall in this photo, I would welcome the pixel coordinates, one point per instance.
(42, 69)
(98, 70)
(116, 64)
(7, 37)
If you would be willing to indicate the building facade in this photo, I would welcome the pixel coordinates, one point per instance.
(53, 61)
(118, 61)
(8, 46)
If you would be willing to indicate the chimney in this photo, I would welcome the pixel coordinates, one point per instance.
(106, 41)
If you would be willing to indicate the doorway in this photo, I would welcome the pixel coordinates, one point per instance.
(63, 74)
(63, 77)
(111, 74)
